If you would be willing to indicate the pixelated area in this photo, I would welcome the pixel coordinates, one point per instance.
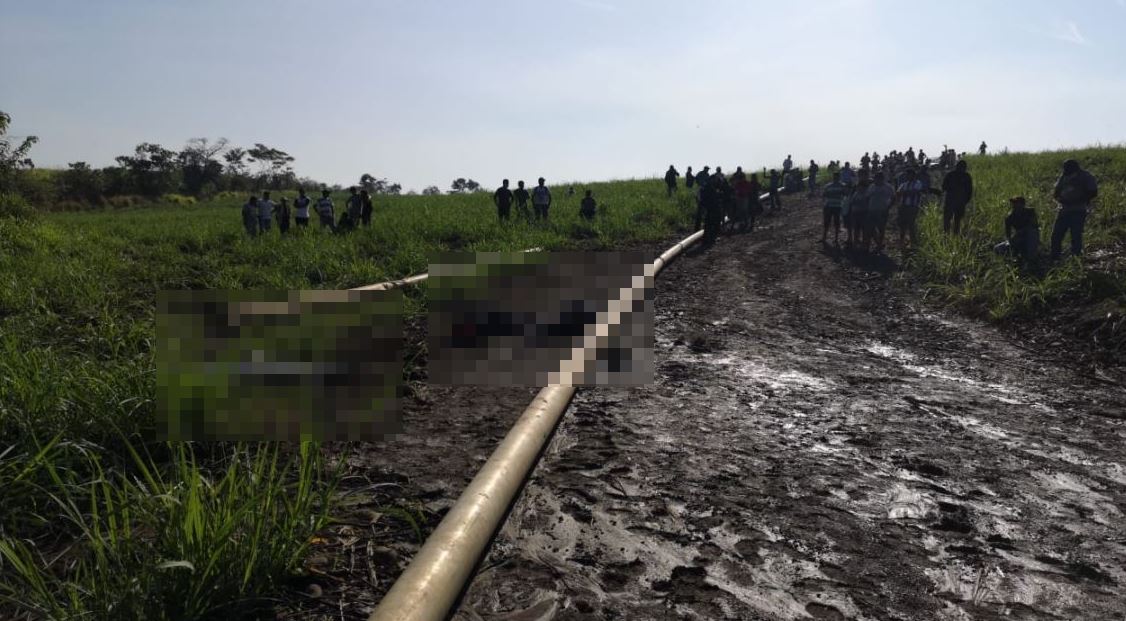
(279, 365)
(540, 318)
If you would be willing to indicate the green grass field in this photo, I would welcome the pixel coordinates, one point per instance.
(967, 273)
(101, 521)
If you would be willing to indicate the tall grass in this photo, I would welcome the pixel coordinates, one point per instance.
(967, 272)
(98, 520)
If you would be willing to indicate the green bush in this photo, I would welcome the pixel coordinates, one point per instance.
(16, 207)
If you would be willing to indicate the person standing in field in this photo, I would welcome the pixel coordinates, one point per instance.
(1074, 191)
(957, 190)
(689, 178)
(910, 195)
(521, 196)
(880, 198)
(301, 205)
(742, 217)
(833, 194)
(354, 207)
(541, 200)
(848, 175)
(265, 212)
(982, 149)
(787, 165)
(366, 208)
(326, 211)
(671, 176)
(502, 198)
(858, 212)
(250, 215)
(587, 207)
(281, 214)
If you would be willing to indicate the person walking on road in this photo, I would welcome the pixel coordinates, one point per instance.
(1074, 191)
(671, 176)
(957, 190)
(502, 198)
(265, 212)
(711, 209)
(774, 188)
(833, 194)
(541, 200)
(521, 196)
(909, 195)
(301, 209)
(326, 211)
(848, 175)
(250, 216)
(787, 166)
(880, 198)
(281, 214)
(813, 170)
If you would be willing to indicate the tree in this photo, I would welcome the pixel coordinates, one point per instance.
(379, 186)
(80, 182)
(274, 165)
(431, 190)
(13, 158)
(199, 166)
(151, 170)
(462, 185)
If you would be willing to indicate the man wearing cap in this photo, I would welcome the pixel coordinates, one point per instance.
(1074, 191)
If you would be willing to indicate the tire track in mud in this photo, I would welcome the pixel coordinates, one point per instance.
(817, 445)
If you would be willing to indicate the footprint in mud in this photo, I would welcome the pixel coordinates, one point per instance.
(686, 584)
(617, 576)
(955, 518)
(823, 611)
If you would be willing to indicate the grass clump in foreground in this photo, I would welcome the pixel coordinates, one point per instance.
(98, 520)
(1089, 291)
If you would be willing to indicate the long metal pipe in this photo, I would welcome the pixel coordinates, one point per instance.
(430, 586)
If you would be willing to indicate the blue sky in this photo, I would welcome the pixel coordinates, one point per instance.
(422, 92)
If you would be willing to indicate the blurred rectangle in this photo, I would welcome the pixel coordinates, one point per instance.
(279, 365)
(540, 318)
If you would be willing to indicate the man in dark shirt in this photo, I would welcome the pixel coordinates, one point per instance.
(671, 176)
(521, 195)
(957, 190)
(588, 208)
(503, 200)
(1074, 191)
(366, 208)
(1022, 229)
(775, 182)
(711, 209)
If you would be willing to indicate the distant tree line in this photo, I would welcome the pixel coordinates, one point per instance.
(201, 168)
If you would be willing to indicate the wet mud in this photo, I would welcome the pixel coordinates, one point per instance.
(818, 444)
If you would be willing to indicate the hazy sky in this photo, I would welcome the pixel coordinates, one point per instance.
(422, 92)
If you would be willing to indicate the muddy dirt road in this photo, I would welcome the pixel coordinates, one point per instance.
(817, 445)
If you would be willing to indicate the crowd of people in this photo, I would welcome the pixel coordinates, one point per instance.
(258, 212)
(860, 200)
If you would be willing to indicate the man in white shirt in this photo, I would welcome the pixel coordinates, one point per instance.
(301, 205)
